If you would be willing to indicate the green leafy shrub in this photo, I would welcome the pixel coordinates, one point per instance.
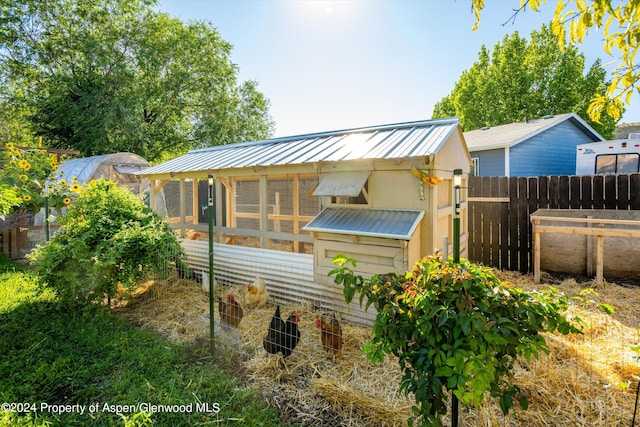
(107, 237)
(454, 328)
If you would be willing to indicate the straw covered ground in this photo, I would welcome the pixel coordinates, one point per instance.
(586, 380)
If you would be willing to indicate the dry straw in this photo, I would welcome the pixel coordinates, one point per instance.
(586, 380)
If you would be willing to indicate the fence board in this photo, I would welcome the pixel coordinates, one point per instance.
(575, 192)
(634, 196)
(587, 192)
(500, 231)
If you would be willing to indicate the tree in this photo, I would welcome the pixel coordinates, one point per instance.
(621, 30)
(523, 79)
(114, 75)
(454, 327)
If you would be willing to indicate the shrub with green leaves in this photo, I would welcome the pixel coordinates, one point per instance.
(107, 237)
(454, 328)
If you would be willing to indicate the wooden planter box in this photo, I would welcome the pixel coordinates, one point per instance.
(587, 242)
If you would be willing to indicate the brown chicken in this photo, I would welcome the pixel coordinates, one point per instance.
(330, 334)
(230, 312)
(257, 294)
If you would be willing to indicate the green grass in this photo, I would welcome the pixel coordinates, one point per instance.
(55, 354)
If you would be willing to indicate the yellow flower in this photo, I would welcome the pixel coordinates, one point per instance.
(63, 182)
(10, 146)
(26, 197)
(23, 164)
(50, 188)
(74, 179)
(24, 177)
(66, 201)
(75, 188)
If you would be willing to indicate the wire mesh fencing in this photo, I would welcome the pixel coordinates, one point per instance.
(287, 335)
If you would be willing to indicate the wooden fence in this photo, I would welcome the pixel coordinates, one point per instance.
(499, 207)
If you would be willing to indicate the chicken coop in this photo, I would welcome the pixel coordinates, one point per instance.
(283, 208)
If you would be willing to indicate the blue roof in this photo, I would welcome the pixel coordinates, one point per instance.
(387, 223)
(411, 139)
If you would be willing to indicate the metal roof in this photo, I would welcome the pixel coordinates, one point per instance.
(514, 133)
(411, 139)
(388, 223)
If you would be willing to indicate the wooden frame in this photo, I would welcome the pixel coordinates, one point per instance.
(589, 230)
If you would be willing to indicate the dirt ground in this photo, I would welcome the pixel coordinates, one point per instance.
(586, 380)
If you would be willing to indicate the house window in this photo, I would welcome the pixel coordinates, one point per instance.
(617, 163)
(475, 167)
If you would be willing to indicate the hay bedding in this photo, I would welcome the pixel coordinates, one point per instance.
(578, 384)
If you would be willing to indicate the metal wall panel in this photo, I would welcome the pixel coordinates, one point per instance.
(289, 277)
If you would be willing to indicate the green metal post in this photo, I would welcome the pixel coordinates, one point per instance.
(457, 182)
(211, 280)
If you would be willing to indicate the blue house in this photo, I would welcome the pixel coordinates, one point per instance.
(544, 146)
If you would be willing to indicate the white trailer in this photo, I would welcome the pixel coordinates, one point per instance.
(608, 157)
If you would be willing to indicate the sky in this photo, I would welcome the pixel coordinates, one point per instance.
(330, 65)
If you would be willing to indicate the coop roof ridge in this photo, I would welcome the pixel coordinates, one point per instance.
(321, 134)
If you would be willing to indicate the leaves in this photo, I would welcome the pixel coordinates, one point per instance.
(525, 78)
(115, 75)
(455, 328)
(32, 177)
(108, 237)
(620, 25)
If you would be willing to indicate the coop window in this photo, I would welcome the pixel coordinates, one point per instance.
(345, 187)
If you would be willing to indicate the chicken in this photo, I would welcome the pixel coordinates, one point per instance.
(230, 312)
(282, 336)
(291, 334)
(257, 294)
(276, 327)
(330, 334)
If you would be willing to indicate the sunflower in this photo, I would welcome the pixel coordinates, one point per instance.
(23, 164)
(10, 146)
(75, 188)
(74, 179)
(26, 197)
(63, 182)
(66, 201)
(23, 177)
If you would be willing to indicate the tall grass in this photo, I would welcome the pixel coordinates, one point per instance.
(64, 354)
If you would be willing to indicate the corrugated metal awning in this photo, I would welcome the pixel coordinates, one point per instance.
(342, 184)
(386, 223)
